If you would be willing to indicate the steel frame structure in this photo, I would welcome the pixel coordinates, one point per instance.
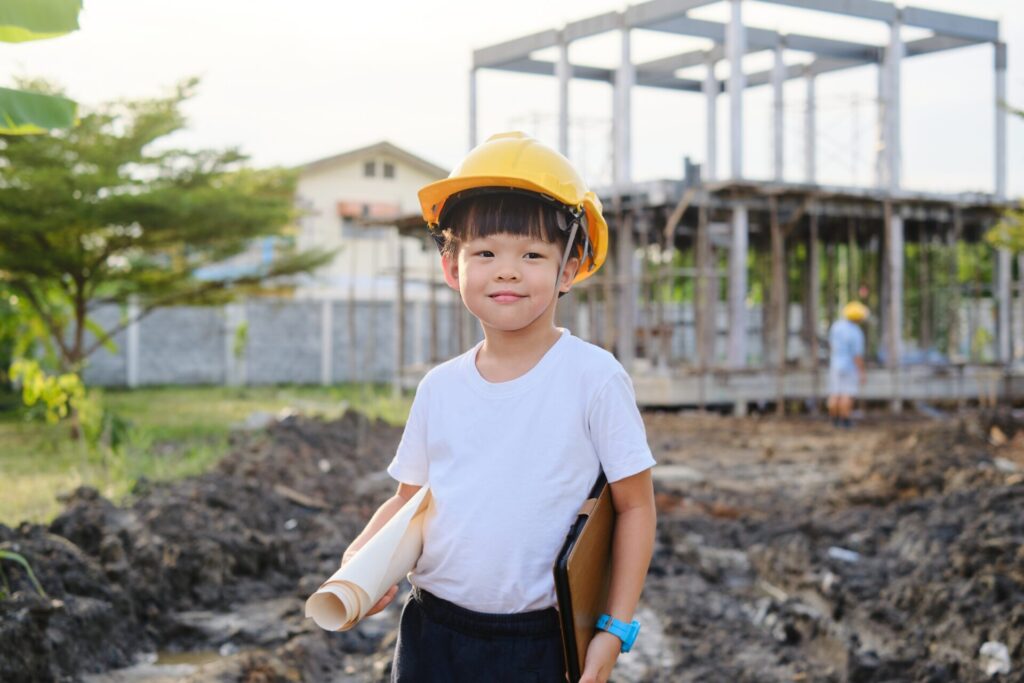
(732, 40)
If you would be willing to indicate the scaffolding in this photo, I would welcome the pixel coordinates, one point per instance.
(720, 287)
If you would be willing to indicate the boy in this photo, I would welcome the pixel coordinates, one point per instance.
(511, 435)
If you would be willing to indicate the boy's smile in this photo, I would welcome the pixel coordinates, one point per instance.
(508, 281)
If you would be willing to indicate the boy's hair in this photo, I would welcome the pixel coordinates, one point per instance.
(502, 213)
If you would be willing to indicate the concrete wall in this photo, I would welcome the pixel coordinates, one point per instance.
(284, 342)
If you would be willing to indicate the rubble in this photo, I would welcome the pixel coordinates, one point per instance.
(893, 551)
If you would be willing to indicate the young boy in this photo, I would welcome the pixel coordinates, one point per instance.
(512, 435)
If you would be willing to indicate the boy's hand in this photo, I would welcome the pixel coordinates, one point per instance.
(601, 655)
(385, 599)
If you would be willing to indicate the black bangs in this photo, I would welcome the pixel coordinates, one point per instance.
(501, 214)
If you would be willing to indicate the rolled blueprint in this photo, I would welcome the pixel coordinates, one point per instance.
(345, 598)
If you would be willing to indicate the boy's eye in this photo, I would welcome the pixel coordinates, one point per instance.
(534, 255)
(485, 253)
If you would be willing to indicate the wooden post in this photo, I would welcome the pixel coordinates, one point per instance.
(894, 299)
(702, 292)
(831, 266)
(813, 304)
(924, 288)
(779, 305)
(952, 245)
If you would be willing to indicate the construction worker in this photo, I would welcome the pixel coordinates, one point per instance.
(846, 362)
(511, 435)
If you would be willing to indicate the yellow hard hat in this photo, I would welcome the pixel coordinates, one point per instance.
(855, 311)
(518, 162)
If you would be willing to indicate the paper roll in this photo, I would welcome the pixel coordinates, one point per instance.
(345, 598)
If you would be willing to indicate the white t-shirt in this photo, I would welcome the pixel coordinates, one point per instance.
(509, 465)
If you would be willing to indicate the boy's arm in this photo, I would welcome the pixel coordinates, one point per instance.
(381, 517)
(632, 547)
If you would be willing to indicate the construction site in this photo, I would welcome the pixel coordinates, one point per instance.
(787, 549)
(721, 287)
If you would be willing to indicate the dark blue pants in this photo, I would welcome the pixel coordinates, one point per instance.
(440, 642)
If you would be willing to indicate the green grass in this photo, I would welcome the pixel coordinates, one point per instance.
(173, 432)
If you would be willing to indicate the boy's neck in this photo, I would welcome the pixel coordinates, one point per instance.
(504, 356)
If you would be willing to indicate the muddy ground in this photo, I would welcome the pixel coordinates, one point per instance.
(787, 550)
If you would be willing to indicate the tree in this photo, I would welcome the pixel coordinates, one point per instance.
(101, 212)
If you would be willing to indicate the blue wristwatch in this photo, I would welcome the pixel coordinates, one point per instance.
(627, 633)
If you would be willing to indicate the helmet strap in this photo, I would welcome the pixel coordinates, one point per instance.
(565, 256)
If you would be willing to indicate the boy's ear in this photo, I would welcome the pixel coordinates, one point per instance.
(450, 268)
(568, 274)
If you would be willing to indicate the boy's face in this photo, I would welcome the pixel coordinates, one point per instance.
(508, 281)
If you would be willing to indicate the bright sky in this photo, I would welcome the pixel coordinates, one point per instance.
(290, 82)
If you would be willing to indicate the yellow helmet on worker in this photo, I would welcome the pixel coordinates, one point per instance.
(517, 162)
(856, 312)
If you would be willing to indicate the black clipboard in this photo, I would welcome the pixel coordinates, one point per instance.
(582, 575)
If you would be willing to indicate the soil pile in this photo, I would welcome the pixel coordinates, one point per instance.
(786, 551)
(167, 571)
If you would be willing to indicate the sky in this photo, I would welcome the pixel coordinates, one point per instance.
(290, 82)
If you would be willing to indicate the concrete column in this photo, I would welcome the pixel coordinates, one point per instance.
(737, 352)
(894, 295)
(624, 79)
(326, 341)
(1004, 299)
(893, 143)
(1000, 127)
(779, 111)
(1004, 259)
(735, 48)
(132, 344)
(472, 108)
(880, 134)
(710, 89)
(810, 133)
(563, 71)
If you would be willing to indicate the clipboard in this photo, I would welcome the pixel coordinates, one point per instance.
(582, 574)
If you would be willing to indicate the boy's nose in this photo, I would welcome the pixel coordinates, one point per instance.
(507, 272)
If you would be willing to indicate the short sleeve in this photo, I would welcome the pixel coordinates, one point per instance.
(410, 464)
(857, 343)
(617, 430)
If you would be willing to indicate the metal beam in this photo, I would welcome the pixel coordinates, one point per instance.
(683, 60)
(828, 47)
(513, 50)
(644, 14)
(944, 23)
(544, 68)
(592, 26)
(660, 80)
(948, 24)
(923, 46)
(864, 9)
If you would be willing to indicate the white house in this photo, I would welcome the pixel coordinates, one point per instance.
(346, 202)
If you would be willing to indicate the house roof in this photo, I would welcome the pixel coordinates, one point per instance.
(382, 147)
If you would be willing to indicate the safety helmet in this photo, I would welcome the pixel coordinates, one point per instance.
(856, 312)
(515, 162)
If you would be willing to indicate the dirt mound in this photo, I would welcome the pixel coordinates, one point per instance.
(282, 506)
(786, 551)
